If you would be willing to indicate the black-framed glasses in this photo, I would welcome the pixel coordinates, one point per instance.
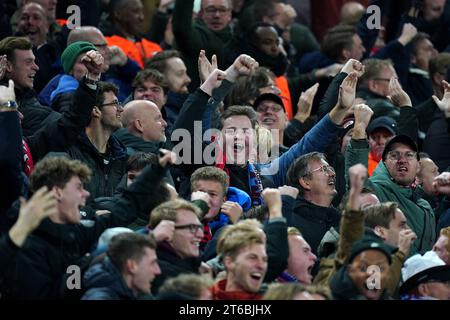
(115, 103)
(396, 155)
(193, 228)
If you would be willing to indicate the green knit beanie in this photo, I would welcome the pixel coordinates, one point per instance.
(70, 55)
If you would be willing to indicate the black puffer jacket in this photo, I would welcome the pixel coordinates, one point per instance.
(313, 221)
(35, 115)
(107, 170)
(103, 281)
(40, 270)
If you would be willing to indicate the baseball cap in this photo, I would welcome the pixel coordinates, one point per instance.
(401, 138)
(268, 96)
(383, 122)
(421, 269)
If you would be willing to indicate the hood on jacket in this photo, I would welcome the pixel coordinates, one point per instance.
(382, 177)
(66, 84)
(44, 95)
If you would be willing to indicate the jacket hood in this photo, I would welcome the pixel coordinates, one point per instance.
(66, 84)
(106, 274)
(381, 176)
(45, 94)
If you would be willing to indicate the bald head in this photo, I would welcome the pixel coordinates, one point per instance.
(85, 33)
(143, 119)
(94, 36)
(352, 12)
(49, 7)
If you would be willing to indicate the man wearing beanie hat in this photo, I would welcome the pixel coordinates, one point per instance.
(44, 129)
(71, 55)
(75, 70)
(73, 60)
(366, 274)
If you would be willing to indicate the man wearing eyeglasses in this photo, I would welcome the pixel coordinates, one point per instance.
(312, 213)
(180, 252)
(395, 179)
(210, 32)
(105, 155)
(373, 86)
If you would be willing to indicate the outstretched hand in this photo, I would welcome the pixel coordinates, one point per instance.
(205, 68)
(7, 93)
(305, 103)
(347, 91)
(444, 103)
(213, 81)
(397, 95)
(40, 206)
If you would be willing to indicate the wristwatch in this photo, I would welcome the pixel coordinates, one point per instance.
(90, 81)
(9, 104)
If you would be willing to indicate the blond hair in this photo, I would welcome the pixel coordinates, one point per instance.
(242, 234)
(169, 211)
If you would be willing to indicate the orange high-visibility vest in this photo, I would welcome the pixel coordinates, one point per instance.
(61, 22)
(139, 51)
(282, 84)
(372, 165)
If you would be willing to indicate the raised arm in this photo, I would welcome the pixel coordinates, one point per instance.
(61, 134)
(408, 122)
(319, 137)
(354, 156)
(11, 153)
(276, 230)
(352, 221)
